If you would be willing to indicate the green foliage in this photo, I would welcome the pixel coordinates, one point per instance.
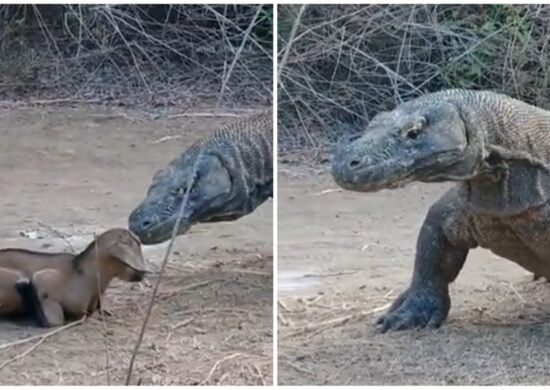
(264, 27)
(491, 23)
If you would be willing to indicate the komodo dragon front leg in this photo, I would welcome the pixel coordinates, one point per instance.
(441, 251)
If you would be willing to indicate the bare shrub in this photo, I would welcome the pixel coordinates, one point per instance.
(347, 62)
(161, 54)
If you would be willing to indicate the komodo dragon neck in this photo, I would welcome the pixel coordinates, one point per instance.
(246, 149)
(511, 141)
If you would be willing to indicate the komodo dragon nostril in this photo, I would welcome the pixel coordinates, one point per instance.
(146, 223)
(354, 163)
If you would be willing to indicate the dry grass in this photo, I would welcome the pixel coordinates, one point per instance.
(341, 64)
(307, 317)
(330, 340)
(156, 55)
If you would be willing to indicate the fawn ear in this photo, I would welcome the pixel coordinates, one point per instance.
(129, 254)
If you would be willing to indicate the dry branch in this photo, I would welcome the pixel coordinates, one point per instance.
(161, 271)
(315, 328)
(40, 338)
(342, 64)
(216, 365)
(154, 55)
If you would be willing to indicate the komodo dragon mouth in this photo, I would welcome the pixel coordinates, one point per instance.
(162, 231)
(392, 173)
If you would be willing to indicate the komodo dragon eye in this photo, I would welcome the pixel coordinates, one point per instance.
(180, 191)
(184, 190)
(413, 133)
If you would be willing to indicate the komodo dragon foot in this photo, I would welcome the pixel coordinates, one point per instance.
(416, 308)
(426, 303)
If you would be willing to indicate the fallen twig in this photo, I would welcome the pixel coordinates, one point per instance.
(216, 365)
(335, 322)
(328, 274)
(204, 115)
(58, 234)
(40, 338)
(262, 381)
(329, 191)
(192, 286)
(165, 138)
(44, 335)
(250, 272)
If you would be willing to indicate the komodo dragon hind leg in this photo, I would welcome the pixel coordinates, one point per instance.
(426, 302)
(31, 302)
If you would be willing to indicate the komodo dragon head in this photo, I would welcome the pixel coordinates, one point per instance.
(209, 190)
(420, 140)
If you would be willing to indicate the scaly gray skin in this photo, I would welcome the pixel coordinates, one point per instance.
(496, 149)
(233, 176)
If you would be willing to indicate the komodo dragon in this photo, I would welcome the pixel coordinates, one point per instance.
(497, 150)
(233, 177)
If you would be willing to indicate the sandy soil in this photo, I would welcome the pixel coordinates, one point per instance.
(343, 257)
(68, 173)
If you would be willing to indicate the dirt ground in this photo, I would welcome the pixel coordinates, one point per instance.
(67, 173)
(342, 259)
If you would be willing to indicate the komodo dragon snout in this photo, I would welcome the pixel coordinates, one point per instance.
(208, 190)
(412, 142)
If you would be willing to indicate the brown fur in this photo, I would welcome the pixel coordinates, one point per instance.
(66, 284)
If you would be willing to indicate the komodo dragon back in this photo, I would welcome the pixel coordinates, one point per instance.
(246, 146)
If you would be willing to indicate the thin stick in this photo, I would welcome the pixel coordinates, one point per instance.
(65, 100)
(259, 374)
(216, 365)
(515, 291)
(41, 338)
(161, 271)
(204, 115)
(165, 138)
(251, 272)
(329, 191)
(334, 322)
(293, 32)
(58, 234)
(100, 303)
(237, 55)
